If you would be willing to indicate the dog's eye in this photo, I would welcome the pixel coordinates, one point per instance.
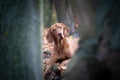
(60, 27)
(54, 30)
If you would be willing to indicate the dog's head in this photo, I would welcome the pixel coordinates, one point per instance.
(57, 31)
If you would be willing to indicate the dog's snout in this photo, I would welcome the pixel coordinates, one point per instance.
(60, 34)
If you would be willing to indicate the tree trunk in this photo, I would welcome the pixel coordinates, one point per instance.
(20, 40)
(65, 15)
(48, 10)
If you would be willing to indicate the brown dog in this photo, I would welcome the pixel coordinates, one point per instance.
(64, 46)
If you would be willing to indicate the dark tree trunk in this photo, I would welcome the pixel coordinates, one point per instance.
(66, 15)
(86, 17)
(99, 51)
(48, 11)
(19, 40)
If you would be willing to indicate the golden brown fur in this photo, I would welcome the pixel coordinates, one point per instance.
(46, 46)
(64, 46)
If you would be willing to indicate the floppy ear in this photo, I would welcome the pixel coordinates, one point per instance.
(66, 30)
(49, 36)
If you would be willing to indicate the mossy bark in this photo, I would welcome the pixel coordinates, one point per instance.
(20, 40)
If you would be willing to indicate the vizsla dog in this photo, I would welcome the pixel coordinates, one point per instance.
(64, 46)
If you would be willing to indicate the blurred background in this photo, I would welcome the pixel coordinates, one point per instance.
(49, 13)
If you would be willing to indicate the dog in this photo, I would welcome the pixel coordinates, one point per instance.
(64, 46)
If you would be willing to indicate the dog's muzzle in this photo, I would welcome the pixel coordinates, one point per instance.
(60, 35)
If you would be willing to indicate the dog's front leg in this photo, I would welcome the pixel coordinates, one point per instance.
(50, 64)
(63, 65)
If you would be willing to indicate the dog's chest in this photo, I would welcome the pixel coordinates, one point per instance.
(63, 52)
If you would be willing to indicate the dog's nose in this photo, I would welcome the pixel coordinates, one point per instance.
(60, 34)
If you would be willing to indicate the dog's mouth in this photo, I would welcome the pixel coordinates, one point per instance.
(60, 36)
